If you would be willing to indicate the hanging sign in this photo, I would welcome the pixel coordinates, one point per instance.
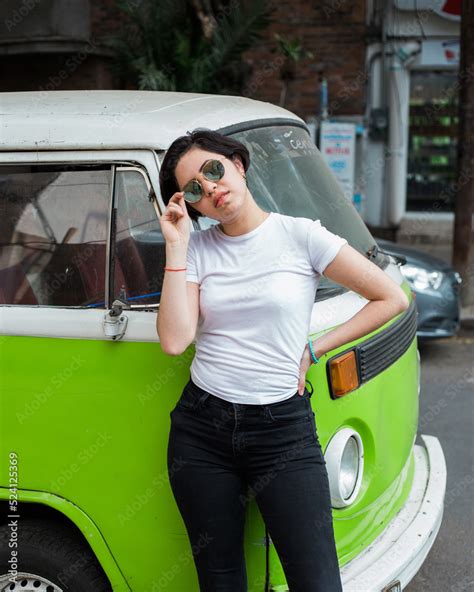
(448, 9)
(436, 52)
(337, 146)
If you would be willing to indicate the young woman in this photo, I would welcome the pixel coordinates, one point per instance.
(243, 428)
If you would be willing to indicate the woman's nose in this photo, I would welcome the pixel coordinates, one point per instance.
(208, 186)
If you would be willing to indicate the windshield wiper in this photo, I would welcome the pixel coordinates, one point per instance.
(328, 292)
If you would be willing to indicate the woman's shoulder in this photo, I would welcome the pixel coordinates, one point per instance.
(201, 237)
(294, 229)
(294, 223)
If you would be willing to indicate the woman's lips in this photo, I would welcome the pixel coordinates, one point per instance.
(220, 200)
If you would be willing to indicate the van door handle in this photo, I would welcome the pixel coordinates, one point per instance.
(115, 322)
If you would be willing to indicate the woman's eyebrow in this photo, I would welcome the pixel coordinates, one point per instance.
(201, 167)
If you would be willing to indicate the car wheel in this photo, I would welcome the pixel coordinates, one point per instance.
(51, 558)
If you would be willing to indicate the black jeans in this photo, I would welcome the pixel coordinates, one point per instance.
(218, 454)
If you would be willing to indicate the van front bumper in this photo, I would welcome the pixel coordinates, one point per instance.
(399, 551)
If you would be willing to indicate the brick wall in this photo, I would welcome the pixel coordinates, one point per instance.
(333, 30)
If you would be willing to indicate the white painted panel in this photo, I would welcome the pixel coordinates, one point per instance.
(86, 323)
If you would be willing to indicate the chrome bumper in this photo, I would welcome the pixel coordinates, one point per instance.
(400, 550)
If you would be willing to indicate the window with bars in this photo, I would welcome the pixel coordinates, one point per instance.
(432, 148)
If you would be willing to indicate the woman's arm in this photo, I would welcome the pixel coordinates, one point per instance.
(352, 270)
(178, 314)
(176, 318)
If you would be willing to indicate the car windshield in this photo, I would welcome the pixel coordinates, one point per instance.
(288, 175)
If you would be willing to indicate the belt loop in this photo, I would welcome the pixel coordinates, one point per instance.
(204, 397)
(201, 399)
(267, 414)
(199, 395)
(312, 388)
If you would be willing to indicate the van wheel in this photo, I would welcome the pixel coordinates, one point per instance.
(51, 558)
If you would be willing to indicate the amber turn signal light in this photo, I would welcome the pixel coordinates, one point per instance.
(343, 374)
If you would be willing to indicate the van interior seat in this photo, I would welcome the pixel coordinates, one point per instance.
(14, 285)
(73, 276)
(128, 256)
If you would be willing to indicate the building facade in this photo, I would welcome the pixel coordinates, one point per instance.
(384, 71)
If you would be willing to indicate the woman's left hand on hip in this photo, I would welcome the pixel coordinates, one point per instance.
(305, 363)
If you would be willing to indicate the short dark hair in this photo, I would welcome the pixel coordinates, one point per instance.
(200, 138)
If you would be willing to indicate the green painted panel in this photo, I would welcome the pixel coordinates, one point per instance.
(89, 421)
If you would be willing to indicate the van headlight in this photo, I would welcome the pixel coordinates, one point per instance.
(344, 458)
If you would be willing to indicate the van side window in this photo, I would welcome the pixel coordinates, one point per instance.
(139, 246)
(53, 234)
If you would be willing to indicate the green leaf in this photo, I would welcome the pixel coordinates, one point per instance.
(162, 46)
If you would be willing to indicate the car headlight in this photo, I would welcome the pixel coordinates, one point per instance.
(344, 458)
(421, 279)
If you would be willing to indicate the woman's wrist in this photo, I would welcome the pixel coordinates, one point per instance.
(177, 247)
(176, 255)
(315, 346)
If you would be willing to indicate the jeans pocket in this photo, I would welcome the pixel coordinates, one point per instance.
(191, 399)
(312, 420)
(290, 410)
(317, 443)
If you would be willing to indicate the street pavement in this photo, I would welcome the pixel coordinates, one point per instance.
(447, 412)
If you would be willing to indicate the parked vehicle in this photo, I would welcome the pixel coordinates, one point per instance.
(436, 287)
(87, 391)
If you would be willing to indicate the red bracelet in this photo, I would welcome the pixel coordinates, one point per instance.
(170, 269)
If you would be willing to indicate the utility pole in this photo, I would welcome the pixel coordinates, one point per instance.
(464, 199)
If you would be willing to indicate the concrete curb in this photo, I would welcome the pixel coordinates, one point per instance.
(467, 318)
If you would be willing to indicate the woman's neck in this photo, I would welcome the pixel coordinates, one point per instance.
(246, 224)
(249, 217)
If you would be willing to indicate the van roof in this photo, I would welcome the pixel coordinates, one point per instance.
(111, 119)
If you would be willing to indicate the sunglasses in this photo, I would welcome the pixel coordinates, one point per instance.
(213, 170)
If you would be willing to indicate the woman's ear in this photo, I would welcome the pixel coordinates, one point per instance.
(238, 163)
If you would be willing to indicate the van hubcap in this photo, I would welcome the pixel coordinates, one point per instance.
(27, 582)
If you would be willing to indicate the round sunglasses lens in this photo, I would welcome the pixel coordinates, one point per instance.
(192, 192)
(213, 170)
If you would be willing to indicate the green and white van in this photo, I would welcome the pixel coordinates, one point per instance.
(86, 391)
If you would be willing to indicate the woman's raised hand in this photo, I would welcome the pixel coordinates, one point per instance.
(175, 220)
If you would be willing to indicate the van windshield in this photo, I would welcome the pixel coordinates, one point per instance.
(288, 175)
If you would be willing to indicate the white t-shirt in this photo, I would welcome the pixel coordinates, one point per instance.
(257, 292)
